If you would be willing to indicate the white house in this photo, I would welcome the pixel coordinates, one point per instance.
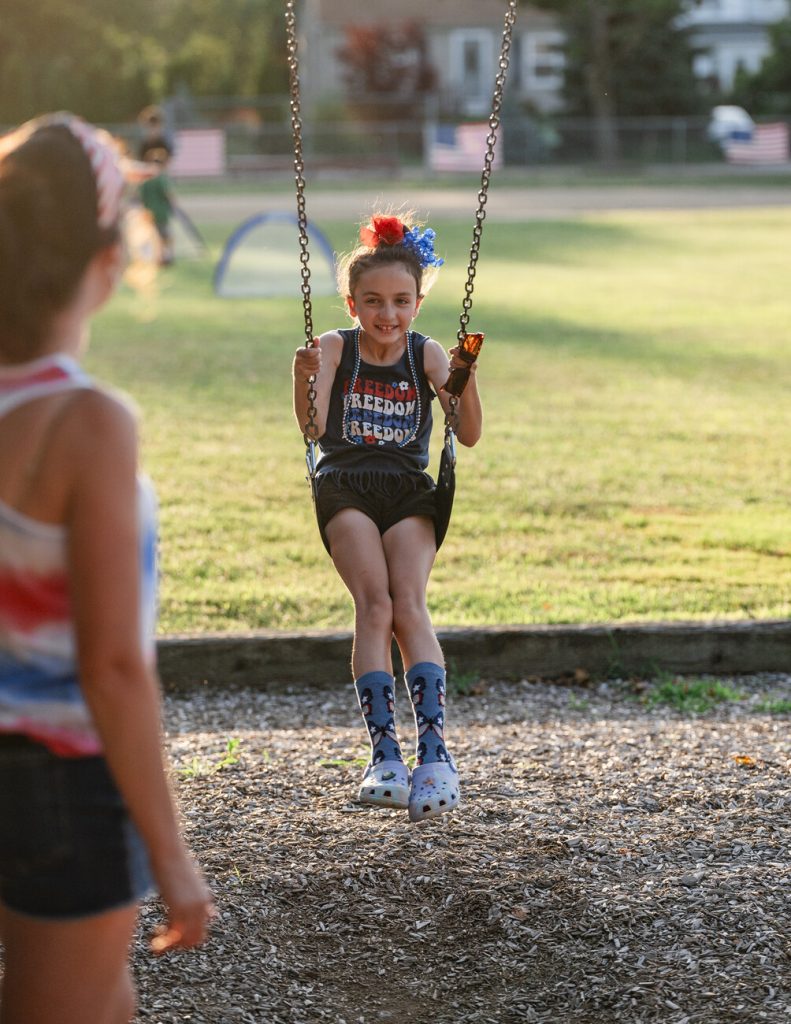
(463, 42)
(463, 39)
(731, 34)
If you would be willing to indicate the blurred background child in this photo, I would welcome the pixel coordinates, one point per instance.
(156, 195)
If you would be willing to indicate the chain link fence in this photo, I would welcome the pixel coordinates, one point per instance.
(258, 138)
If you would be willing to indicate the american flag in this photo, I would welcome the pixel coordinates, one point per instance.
(461, 148)
(768, 145)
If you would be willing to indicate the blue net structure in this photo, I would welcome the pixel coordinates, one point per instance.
(261, 260)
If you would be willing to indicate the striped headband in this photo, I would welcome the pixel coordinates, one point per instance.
(102, 152)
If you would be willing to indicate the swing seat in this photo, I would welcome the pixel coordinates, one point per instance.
(446, 488)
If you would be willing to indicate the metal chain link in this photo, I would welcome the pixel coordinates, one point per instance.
(312, 430)
(480, 214)
(483, 193)
(491, 140)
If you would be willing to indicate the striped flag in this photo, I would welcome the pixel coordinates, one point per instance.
(768, 145)
(200, 152)
(461, 148)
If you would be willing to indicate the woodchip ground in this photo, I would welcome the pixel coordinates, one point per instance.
(612, 862)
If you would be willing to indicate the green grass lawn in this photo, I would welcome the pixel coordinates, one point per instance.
(635, 462)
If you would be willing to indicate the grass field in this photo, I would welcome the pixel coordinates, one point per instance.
(635, 462)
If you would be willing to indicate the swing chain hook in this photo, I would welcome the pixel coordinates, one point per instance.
(491, 140)
(451, 424)
(312, 430)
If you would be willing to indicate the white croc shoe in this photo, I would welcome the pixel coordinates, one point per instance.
(385, 785)
(434, 790)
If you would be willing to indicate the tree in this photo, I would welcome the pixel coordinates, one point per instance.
(387, 69)
(768, 90)
(226, 47)
(106, 59)
(65, 54)
(624, 58)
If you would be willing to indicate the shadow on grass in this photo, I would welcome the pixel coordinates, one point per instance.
(674, 355)
(568, 242)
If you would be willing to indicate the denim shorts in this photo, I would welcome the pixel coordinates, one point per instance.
(67, 846)
(386, 499)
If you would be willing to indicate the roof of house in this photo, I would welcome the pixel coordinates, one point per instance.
(436, 13)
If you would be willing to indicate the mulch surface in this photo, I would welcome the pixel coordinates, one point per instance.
(611, 862)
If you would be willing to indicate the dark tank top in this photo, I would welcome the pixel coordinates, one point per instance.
(379, 417)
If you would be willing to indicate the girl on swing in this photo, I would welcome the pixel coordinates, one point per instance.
(375, 502)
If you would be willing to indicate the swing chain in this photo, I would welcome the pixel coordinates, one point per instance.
(480, 214)
(311, 432)
(451, 418)
(491, 140)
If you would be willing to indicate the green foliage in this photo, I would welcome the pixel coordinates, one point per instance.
(780, 706)
(691, 696)
(106, 60)
(198, 767)
(461, 683)
(768, 91)
(225, 47)
(344, 762)
(633, 50)
(67, 54)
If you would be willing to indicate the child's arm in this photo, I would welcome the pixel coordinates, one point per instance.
(468, 407)
(322, 360)
(120, 687)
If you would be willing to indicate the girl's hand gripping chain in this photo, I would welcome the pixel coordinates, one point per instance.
(467, 352)
(307, 361)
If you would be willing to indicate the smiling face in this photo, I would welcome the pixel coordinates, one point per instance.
(385, 301)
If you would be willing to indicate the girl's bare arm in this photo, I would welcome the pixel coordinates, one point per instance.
(469, 409)
(121, 689)
(321, 361)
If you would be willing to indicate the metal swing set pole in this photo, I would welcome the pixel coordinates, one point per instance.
(311, 431)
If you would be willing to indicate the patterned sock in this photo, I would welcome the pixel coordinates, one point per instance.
(426, 684)
(376, 694)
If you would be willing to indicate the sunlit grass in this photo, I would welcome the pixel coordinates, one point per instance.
(635, 461)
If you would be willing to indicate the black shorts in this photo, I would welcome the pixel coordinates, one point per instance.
(68, 848)
(385, 498)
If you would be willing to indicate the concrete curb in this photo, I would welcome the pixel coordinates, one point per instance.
(273, 660)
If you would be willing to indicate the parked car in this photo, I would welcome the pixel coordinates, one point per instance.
(728, 123)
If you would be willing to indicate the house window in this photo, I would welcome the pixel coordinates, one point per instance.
(472, 69)
(543, 61)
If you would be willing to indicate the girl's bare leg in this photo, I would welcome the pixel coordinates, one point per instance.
(410, 550)
(68, 972)
(359, 558)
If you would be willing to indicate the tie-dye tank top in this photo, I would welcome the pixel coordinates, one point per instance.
(40, 694)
